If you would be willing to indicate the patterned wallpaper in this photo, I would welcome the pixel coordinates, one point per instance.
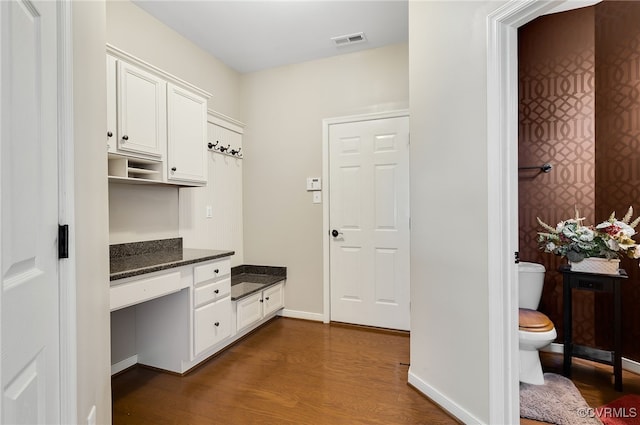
(579, 109)
(617, 38)
(556, 125)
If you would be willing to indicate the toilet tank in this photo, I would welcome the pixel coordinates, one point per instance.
(530, 283)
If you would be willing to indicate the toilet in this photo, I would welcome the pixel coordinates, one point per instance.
(535, 330)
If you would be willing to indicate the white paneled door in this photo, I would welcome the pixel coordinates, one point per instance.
(29, 338)
(369, 222)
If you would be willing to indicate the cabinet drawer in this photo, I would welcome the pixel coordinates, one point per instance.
(210, 271)
(141, 290)
(211, 292)
(212, 324)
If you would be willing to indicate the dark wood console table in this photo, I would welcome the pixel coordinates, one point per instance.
(596, 283)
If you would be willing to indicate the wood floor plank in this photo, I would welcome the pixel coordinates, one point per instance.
(288, 372)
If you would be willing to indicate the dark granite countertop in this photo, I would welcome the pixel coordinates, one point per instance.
(137, 258)
(248, 279)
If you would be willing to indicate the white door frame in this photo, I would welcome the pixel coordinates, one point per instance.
(326, 268)
(66, 199)
(502, 181)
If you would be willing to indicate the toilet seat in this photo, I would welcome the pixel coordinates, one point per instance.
(533, 321)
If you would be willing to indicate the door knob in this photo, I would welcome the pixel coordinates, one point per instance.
(335, 233)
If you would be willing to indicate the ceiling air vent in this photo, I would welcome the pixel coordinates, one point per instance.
(346, 40)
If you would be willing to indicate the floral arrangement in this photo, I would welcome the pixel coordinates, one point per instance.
(609, 239)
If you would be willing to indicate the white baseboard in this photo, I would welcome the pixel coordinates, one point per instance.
(444, 402)
(124, 364)
(627, 364)
(295, 314)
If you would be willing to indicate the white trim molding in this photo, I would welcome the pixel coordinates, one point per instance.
(502, 187)
(451, 407)
(124, 364)
(225, 121)
(305, 315)
(326, 123)
(67, 267)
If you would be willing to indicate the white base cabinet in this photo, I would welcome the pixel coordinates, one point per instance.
(185, 315)
(258, 306)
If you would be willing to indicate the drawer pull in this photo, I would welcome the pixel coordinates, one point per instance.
(216, 271)
(217, 324)
(267, 298)
(217, 291)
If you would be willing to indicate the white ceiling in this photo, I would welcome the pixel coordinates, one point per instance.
(250, 36)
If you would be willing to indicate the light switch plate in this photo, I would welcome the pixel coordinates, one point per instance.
(209, 211)
(317, 197)
(314, 183)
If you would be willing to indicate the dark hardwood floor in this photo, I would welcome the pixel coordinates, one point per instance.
(288, 372)
(300, 372)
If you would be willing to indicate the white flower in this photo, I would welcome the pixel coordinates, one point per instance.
(613, 245)
(625, 228)
(585, 234)
(550, 246)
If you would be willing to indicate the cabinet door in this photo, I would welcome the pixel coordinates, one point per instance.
(273, 298)
(142, 111)
(112, 129)
(212, 324)
(187, 138)
(249, 310)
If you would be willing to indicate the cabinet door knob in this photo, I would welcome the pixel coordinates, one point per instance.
(109, 134)
(261, 300)
(217, 324)
(173, 168)
(267, 298)
(125, 137)
(217, 291)
(216, 271)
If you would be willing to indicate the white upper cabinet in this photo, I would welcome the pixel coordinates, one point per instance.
(156, 124)
(187, 138)
(112, 121)
(142, 113)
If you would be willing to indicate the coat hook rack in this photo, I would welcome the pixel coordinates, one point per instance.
(225, 150)
(545, 168)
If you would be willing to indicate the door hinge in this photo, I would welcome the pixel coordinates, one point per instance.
(63, 241)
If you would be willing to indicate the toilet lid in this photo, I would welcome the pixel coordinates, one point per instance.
(533, 321)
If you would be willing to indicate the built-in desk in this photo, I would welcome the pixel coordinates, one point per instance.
(596, 283)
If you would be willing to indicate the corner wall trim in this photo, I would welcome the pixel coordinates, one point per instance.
(443, 401)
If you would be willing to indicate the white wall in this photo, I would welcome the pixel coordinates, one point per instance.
(449, 293)
(91, 212)
(283, 109)
(140, 213)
